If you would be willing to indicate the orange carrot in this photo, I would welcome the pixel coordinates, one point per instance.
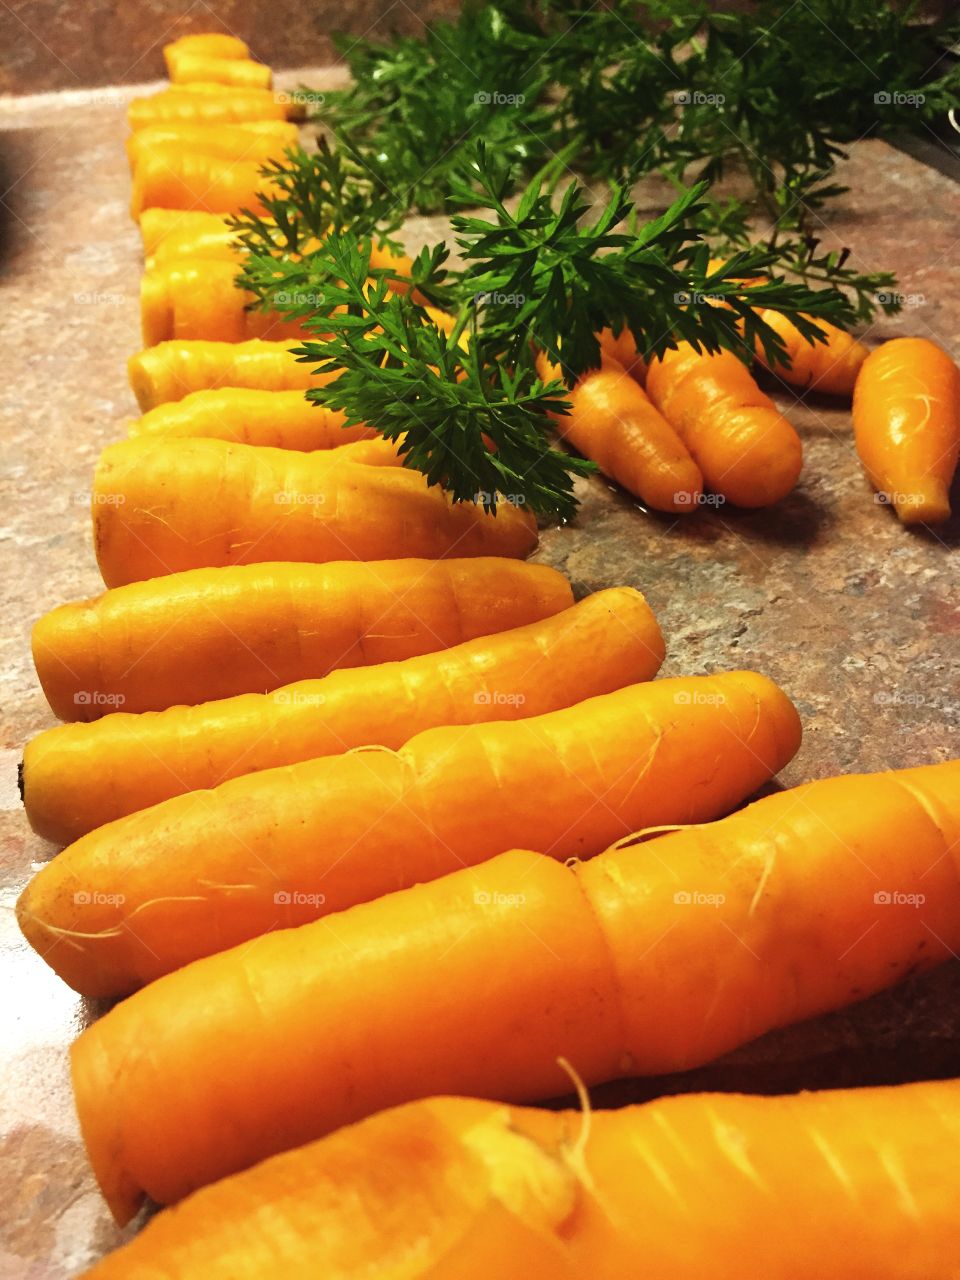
(160, 506)
(746, 449)
(245, 73)
(80, 776)
(906, 420)
(212, 44)
(830, 366)
(171, 370)
(198, 298)
(209, 104)
(613, 423)
(652, 958)
(280, 419)
(623, 349)
(214, 633)
(846, 1183)
(257, 140)
(175, 179)
(152, 891)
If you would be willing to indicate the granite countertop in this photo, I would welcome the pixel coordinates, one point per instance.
(856, 617)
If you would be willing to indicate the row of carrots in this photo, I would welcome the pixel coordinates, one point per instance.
(361, 810)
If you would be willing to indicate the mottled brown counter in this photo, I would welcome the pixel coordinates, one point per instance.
(858, 619)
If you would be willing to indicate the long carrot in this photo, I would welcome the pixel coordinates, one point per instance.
(213, 633)
(80, 776)
(746, 449)
(212, 44)
(256, 140)
(278, 419)
(152, 891)
(245, 73)
(652, 958)
(906, 419)
(194, 104)
(845, 1184)
(830, 367)
(160, 506)
(171, 370)
(612, 422)
(198, 298)
(175, 179)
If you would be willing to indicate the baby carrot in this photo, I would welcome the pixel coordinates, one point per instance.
(214, 633)
(208, 104)
(245, 73)
(175, 179)
(151, 892)
(171, 370)
(830, 367)
(279, 419)
(160, 506)
(198, 298)
(622, 347)
(906, 420)
(746, 449)
(214, 44)
(654, 957)
(257, 140)
(80, 776)
(846, 1183)
(612, 422)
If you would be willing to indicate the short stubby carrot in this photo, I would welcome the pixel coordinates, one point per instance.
(655, 957)
(212, 44)
(204, 233)
(906, 420)
(80, 776)
(612, 422)
(198, 298)
(831, 366)
(244, 73)
(171, 370)
(279, 419)
(258, 140)
(857, 1182)
(174, 179)
(747, 451)
(152, 891)
(194, 104)
(622, 347)
(213, 633)
(160, 506)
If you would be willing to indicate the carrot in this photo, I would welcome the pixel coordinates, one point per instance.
(175, 179)
(206, 232)
(151, 891)
(830, 367)
(214, 633)
(746, 449)
(160, 506)
(256, 140)
(279, 419)
(171, 370)
(202, 104)
(198, 298)
(80, 776)
(906, 421)
(846, 1183)
(245, 73)
(651, 958)
(623, 348)
(204, 44)
(613, 423)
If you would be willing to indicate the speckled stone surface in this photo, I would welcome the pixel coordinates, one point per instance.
(857, 618)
